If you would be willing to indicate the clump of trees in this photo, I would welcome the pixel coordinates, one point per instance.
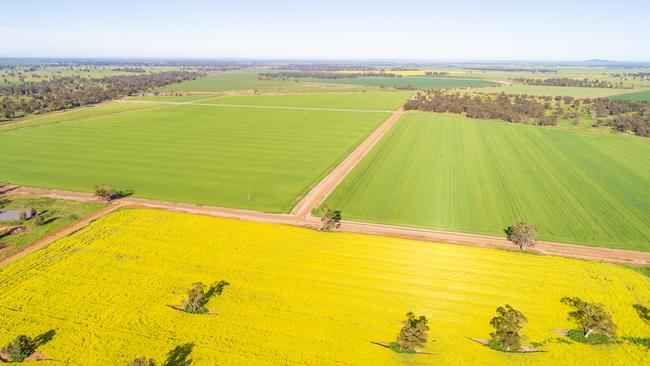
(621, 115)
(60, 93)
(583, 83)
(198, 298)
(106, 192)
(507, 329)
(413, 335)
(330, 219)
(20, 348)
(594, 322)
(286, 75)
(522, 234)
(511, 108)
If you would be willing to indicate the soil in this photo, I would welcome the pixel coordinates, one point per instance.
(36, 356)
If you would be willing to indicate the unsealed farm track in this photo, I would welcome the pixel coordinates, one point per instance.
(301, 215)
(619, 256)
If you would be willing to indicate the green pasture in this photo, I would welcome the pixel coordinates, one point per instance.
(247, 81)
(553, 91)
(371, 100)
(640, 96)
(253, 158)
(414, 82)
(454, 173)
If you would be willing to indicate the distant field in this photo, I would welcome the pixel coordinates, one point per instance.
(386, 100)
(576, 92)
(298, 297)
(170, 98)
(414, 82)
(451, 172)
(247, 80)
(254, 158)
(643, 95)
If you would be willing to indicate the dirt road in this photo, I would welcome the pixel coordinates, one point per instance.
(323, 189)
(629, 257)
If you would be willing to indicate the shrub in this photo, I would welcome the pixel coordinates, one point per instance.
(23, 215)
(20, 348)
(590, 317)
(522, 234)
(106, 192)
(507, 326)
(413, 334)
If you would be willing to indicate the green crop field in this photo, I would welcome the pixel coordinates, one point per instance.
(454, 173)
(415, 82)
(639, 96)
(570, 91)
(254, 158)
(367, 100)
(246, 80)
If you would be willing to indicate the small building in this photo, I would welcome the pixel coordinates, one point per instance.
(13, 215)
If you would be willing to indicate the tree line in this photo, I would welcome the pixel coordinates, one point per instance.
(582, 83)
(511, 69)
(285, 75)
(621, 115)
(74, 91)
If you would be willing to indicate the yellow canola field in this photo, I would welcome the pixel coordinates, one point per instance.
(297, 296)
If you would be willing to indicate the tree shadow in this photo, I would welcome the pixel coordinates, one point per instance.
(50, 220)
(125, 193)
(179, 355)
(44, 338)
(216, 289)
(645, 342)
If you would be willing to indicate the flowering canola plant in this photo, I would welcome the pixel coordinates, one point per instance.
(298, 296)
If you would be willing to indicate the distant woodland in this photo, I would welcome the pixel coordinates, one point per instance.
(621, 115)
(74, 91)
(582, 83)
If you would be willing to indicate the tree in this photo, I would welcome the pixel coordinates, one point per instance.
(142, 361)
(106, 192)
(522, 234)
(20, 348)
(38, 220)
(507, 326)
(590, 317)
(33, 211)
(330, 219)
(414, 333)
(197, 297)
(23, 215)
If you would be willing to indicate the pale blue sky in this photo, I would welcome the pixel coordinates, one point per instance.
(415, 29)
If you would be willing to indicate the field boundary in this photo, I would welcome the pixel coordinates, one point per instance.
(568, 250)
